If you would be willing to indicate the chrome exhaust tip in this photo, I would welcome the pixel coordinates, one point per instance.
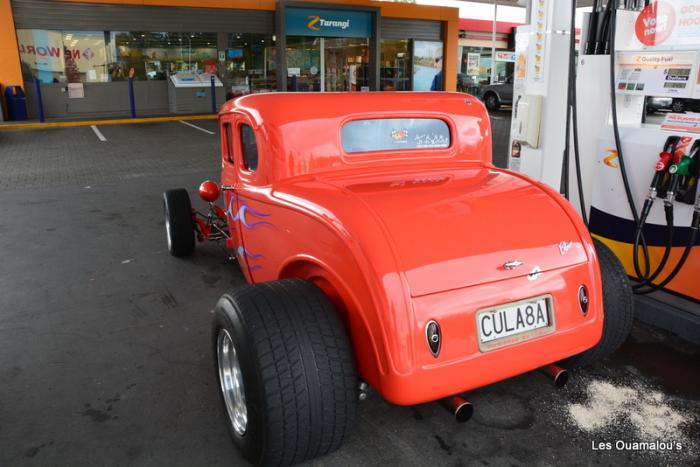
(460, 408)
(557, 374)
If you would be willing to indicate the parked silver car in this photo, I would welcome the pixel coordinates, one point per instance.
(673, 104)
(495, 95)
(654, 104)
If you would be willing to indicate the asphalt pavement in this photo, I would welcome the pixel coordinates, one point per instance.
(105, 346)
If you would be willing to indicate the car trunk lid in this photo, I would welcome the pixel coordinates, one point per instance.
(457, 228)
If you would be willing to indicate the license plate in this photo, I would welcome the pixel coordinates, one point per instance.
(511, 323)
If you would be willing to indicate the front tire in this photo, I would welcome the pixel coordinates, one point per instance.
(179, 226)
(492, 102)
(618, 309)
(291, 394)
(678, 106)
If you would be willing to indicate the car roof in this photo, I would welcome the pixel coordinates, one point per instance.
(280, 108)
(305, 128)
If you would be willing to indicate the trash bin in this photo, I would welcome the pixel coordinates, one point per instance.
(16, 103)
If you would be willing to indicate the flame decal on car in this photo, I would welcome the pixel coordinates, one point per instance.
(244, 253)
(240, 214)
(246, 256)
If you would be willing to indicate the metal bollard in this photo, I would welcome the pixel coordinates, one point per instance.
(213, 95)
(132, 105)
(39, 100)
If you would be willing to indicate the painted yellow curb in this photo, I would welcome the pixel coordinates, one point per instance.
(115, 121)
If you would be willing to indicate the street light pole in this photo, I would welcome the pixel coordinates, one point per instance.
(493, 42)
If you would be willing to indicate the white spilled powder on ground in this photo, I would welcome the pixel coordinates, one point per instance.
(648, 412)
(605, 403)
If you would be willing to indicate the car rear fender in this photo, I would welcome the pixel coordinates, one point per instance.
(370, 355)
(372, 294)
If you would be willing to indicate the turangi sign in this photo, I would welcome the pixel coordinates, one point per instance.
(327, 23)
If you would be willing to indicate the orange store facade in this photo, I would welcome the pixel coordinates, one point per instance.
(250, 46)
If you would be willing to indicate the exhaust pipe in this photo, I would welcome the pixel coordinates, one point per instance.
(459, 407)
(557, 374)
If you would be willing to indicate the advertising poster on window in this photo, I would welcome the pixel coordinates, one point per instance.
(41, 53)
(427, 66)
(85, 56)
(522, 45)
(505, 57)
(473, 63)
(62, 56)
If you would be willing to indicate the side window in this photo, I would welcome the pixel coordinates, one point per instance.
(249, 148)
(228, 138)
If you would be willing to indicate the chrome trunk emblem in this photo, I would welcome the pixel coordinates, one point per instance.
(513, 264)
(564, 247)
(535, 274)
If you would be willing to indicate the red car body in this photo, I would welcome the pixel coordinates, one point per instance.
(397, 238)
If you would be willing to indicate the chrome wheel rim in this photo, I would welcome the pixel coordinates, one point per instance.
(167, 231)
(231, 381)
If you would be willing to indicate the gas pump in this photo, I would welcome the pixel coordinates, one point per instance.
(625, 158)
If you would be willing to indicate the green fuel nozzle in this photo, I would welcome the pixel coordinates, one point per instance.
(681, 167)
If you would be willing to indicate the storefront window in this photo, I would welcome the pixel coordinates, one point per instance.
(63, 56)
(303, 63)
(250, 64)
(475, 68)
(395, 71)
(427, 66)
(155, 55)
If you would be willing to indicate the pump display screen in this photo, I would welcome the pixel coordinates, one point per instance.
(678, 74)
(652, 73)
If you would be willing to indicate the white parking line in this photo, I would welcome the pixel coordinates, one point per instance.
(99, 134)
(196, 127)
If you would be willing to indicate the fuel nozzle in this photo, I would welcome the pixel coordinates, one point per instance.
(679, 168)
(696, 214)
(689, 182)
(666, 158)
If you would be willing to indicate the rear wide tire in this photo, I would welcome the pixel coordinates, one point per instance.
(297, 367)
(618, 309)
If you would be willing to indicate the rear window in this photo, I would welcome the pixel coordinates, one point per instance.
(395, 134)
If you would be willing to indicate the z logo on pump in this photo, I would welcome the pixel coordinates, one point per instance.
(611, 159)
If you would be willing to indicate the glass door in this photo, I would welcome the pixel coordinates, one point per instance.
(395, 72)
(345, 64)
(327, 63)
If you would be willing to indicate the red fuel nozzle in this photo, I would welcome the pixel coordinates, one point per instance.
(666, 158)
(664, 161)
(670, 154)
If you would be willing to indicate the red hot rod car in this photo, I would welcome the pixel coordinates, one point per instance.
(381, 247)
